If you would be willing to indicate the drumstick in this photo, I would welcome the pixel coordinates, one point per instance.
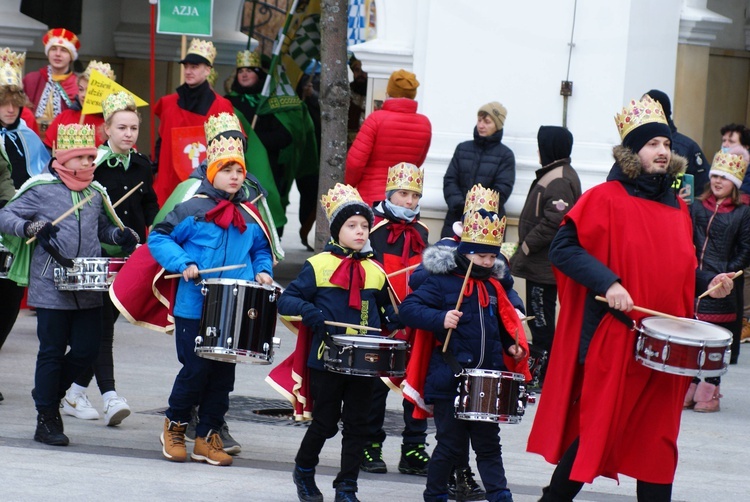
(646, 311)
(122, 199)
(293, 318)
(528, 318)
(458, 304)
(209, 270)
(393, 300)
(517, 344)
(66, 214)
(256, 199)
(714, 288)
(403, 270)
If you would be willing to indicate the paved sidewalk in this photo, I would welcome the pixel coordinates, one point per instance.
(125, 462)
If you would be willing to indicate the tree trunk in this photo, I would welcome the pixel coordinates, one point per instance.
(334, 105)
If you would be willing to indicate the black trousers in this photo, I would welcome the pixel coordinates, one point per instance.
(562, 489)
(337, 397)
(415, 430)
(11, 295)
(104, 366)
(541, 300)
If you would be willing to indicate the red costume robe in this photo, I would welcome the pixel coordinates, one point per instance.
(96, 120)
(34, 82)
(626, 415)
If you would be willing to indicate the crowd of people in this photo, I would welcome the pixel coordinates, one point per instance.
(451, 306)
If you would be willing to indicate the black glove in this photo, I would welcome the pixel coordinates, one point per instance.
(44, 236)
(31, 228)
(313, 317)
(393, 322)
(127, 239)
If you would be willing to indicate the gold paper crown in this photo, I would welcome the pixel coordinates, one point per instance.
(729, 164)
(223, 122)
(203, 48)
(248, 59)
(481, 198)
(11, 67)
(117, 102)
(405, 176)
(638, 113)
(103, 68)
(74, 136)
(228, 149)
(338, 197)
(485, 230)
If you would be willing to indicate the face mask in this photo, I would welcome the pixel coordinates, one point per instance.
(725, 149)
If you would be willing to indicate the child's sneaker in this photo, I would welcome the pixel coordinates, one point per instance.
(231, 445)
(116, 410)
(210, 450)
(78, 405)
(307, 490)
(346, 491)
(372, 461)
(414, 459)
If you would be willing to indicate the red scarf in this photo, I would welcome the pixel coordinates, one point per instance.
(350, 274)
(412, 240)
(484, 297)
(226, 213)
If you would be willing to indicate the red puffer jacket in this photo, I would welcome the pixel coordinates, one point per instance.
(396, 133)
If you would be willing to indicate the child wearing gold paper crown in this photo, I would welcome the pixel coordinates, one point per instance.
(484, 339)
(213, 228)
(398, 241)
(65, 318)
(721, 233)
(344, 284)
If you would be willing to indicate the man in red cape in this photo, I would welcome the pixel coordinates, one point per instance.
(190, 106)
(630, 239)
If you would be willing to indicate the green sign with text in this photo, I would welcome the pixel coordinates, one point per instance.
(185, 17)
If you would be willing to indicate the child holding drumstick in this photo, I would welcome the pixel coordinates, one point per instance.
(64, 318)
(344, 284)
(213, 228)
(486, 333)
(721, 233)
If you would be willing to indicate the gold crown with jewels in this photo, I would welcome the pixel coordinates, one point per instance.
(203, 48)
(117, 102)
(223, 122)
(482, 198)
(100, 66)
(638, 113)
(72, 136)
(730, 166)
(11, 67)
(405, 176)
(337, 197)
(225, 149)
(248, 59)
(487, 230)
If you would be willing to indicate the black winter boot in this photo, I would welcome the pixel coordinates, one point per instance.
(414, 459)
(466, 487)
(346, 491)
(372, 460)
(49, 428)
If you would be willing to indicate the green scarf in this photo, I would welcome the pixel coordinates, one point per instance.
(105, 155)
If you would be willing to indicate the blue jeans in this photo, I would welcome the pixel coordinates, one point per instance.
(453, 437)
(56, 369)
(202, 382)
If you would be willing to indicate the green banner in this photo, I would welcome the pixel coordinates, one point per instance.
(185, 17)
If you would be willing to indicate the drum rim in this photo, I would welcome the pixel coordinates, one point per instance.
(363, 339)
(227, 281)
(692, 342)
(495, 373)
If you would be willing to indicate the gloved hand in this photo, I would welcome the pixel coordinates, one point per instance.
(31, 228)
(127, 239)
(313, 317)
(44, 235)
(393, 322)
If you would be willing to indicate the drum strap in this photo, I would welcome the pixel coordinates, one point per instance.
(451, 361)
(620, 316)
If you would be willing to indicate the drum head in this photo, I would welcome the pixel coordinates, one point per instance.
(690, 330)
(365, 340)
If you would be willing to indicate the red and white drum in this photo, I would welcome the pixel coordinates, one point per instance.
(490, 396)
(683, 347)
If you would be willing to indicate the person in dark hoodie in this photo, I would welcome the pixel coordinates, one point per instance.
(484, 160)
(697, 164)
(189, 106)
(551, 195)
(630, 240)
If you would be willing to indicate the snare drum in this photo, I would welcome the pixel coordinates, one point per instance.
(6, 260)
(686, 347)
(366, 355)
(88, 274)
(238, 322)
(490, 396)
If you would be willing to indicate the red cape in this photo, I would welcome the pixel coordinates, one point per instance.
(291, 377)
(96, 120)
(34, 82)
(171, 116)
(626, 415)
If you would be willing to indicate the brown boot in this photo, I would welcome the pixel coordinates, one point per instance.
(745, 335)
(690, 396)
(173, 441)
(210, 449)
(707, 398)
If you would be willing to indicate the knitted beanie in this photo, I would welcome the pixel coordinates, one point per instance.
(402, 84)
(497, 113)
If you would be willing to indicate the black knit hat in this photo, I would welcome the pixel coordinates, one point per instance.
(641, 135)
(348, 210)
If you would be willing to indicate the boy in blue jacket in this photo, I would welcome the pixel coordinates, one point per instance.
(481, 338)
(215, 227)
(342, 283)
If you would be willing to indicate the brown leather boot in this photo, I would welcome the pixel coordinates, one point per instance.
(707, 398)
(690, 396)
(173, 441)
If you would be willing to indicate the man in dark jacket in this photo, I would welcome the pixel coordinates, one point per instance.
(552, 194)
(697, 165)
(483, 160)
